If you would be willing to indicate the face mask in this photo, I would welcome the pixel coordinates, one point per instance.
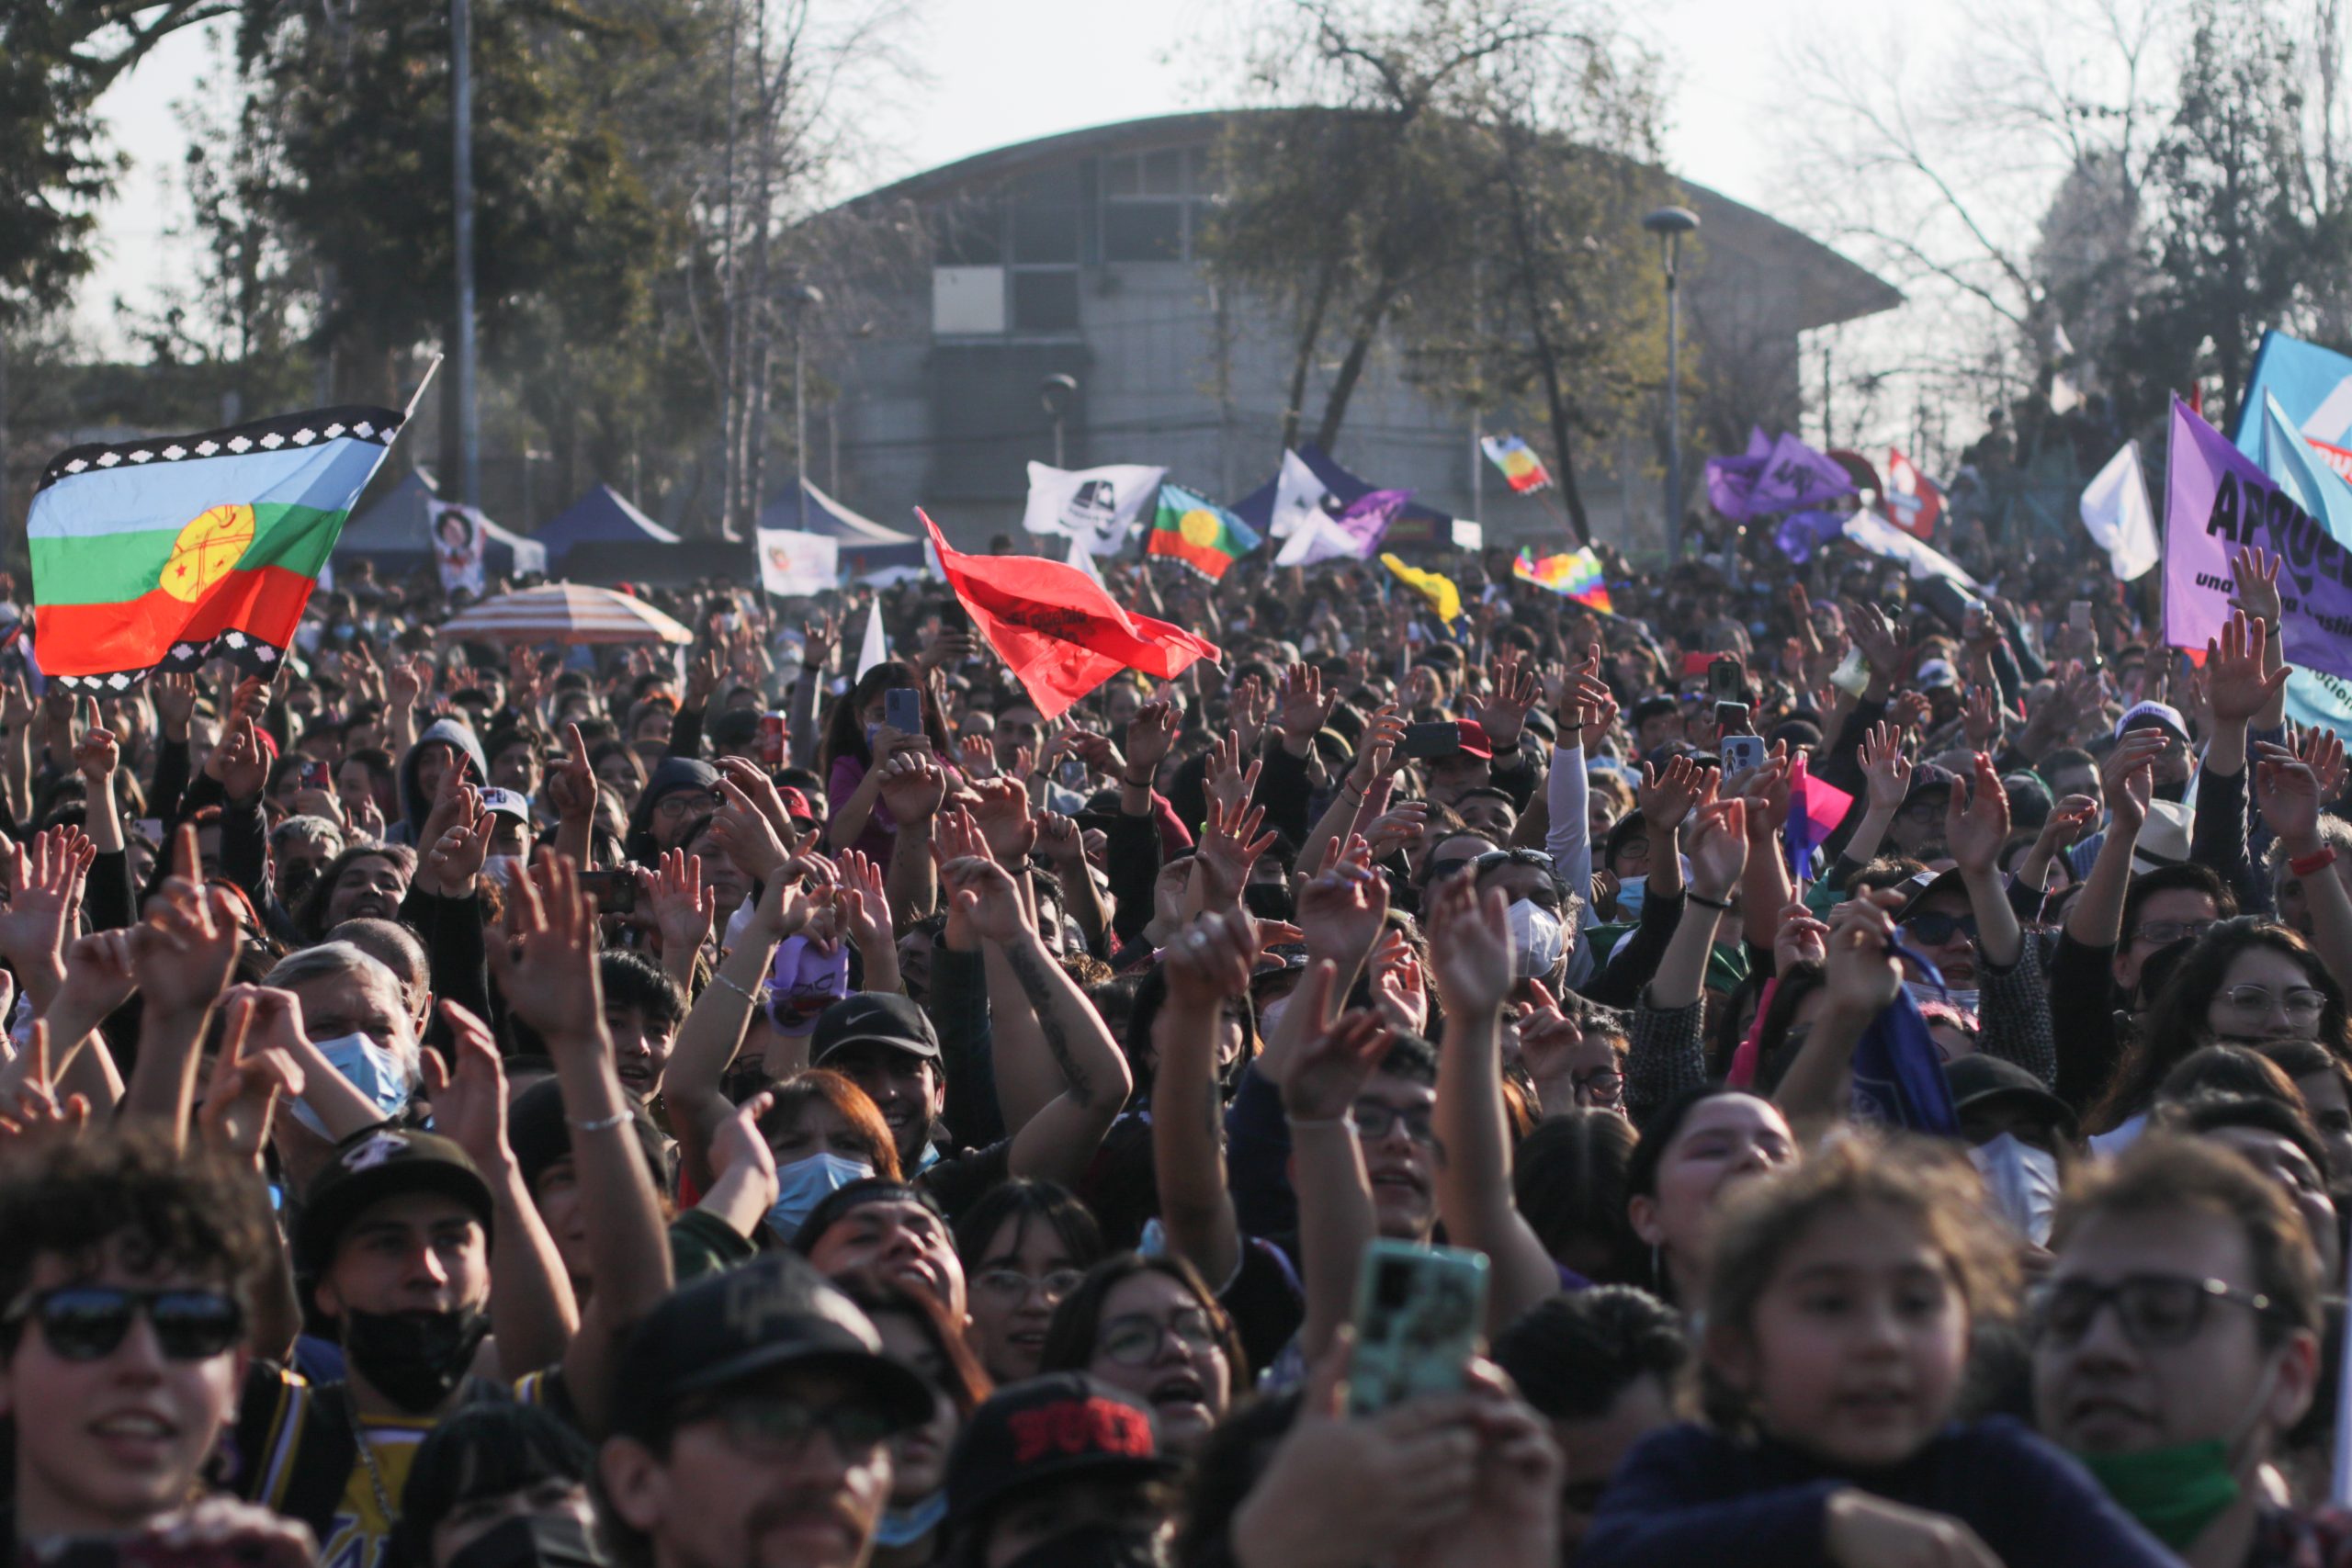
(2023, 1183)
(372, 1070)
(1537, 939)
(873, 733)
(1924, 992)
(2176, 1491)
(294, 886)
(1271, 1014)
(904, 1526)
(1630, 893)
(417, 1358)
(503, 869)
(533, 1541)
(1097, 1546)
(805, 1183)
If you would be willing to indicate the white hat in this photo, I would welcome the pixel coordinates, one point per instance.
(2163, 837)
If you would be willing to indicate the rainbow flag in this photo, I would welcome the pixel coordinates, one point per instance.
(1575, 575)
(161, 553)
(1197, 534)
(1521, 468)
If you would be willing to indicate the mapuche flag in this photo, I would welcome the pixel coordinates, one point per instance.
(1057, 630)
(1522, 469)
(1198, 534)
(158, 554)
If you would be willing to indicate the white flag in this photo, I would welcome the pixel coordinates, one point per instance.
(877, 647)
(2116, 511)
(795, 565)
(458, 539)
(1098, 505)
(1878, 537)
(1318, 538)
(1298, 495)
(1083, 559)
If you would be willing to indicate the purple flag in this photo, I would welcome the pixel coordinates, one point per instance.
(1797, 478)
(1731, 482)
(1368, 516)
(2216, 498)
(1801, 533)
(1758, 444)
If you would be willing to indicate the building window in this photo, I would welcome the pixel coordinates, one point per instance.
(1045, 301)
(1145, 200)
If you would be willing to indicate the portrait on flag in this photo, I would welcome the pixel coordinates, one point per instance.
(459, 544)
(795, 565)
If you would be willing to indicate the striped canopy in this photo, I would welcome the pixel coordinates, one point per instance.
(566, 612)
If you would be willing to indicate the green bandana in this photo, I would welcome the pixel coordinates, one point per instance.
(2174, 1492)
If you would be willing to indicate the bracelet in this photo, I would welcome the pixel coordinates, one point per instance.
(735, 986)
(2317, 860)
(1144, 783)
(601, 1124)
(1706, 903)
(1345, 1119)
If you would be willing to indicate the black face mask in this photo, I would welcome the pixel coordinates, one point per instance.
(533, 1541)
(415, 1357)
(300, 878)
(1096, 1546)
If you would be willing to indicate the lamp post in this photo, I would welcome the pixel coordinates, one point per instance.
(462, 93)
(804, 298)
(1669, 224)
(1058, 392)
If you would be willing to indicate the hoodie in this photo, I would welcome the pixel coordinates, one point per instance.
(415, 805)
(673, 774)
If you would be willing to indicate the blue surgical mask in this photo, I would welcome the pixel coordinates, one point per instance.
(804, 1184)
(372, 1070)
(1630, 892)
(904, 1526)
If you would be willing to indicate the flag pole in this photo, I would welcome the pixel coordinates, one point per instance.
(418, 396)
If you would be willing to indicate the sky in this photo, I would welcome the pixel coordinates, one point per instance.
(1005, 70)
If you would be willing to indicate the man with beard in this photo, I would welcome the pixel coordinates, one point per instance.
(753, 1430)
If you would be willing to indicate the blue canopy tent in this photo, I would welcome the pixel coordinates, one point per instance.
(867, 547)
(1417, 527)
(603, 517)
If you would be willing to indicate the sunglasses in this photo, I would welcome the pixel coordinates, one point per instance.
(783, 1425)
(88, 1323)
(1935, 930)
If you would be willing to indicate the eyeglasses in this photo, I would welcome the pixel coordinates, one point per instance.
(2303, 1003)
(1935, 930)
(1374, 1120)
(2157, 1312)
(678, 803)
(1494, 858)
(1012, 1286)
(769, 1426)
(1135, 1340)
(2164, 934)
(1599, 1086)
(1923, 811)
(88, 1323)
(1440, 870)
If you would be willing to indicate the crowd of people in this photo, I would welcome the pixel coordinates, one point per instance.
(473, 1107)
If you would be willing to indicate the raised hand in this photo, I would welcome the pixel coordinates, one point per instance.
(247, 1082)
(39, 1120)
(702, 679)
(174, 696)
(545, 963)
(96, 754)
(1876, 638)
(468, 1095)
(1979, 718)
(1716, 844)
(1342, 908)
(742, 829)
(818, 638)
(1058, 839)
(1248, 708)
(572, 787)
(186, 942)
(1393, 829)
(1326, 1067)
(1976, 818)
(2288, 794)
(680, 901)
(1305, 707)
(1470, 957)
(2128, 777)
(458, 856)
(1665, 796)
(1001, 813)
(1800, 939)
(2234, 682)
(1887, 771)
(1210, 963)
(865, 906)
(2323, 752)
(1502, 713)
(1230, 845)
(982, 893)
(45, 884)
(1223, 777)
(1864, 975)
(1149, 735)
(239, 762)
(2253, 571)
(1398, 988)
(976, 754)
(1377, 756)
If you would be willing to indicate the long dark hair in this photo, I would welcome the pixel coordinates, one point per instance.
(482, 1451)
(1568, 1177)
(965, 1383)
(1024, 1201)
(2175, 1022)
(1077, 1321)
(845, 731)
(312, 919)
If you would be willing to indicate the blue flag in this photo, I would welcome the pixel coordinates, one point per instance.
(2312, 386)
(1898, 1072)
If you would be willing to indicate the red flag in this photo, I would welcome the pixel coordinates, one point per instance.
(1059, 630)
(1913, 501)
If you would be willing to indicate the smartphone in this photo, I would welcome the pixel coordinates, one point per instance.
(316, 776)
(1740, 751)
(1726, 681)
(2078, 616)
(1420, 1311)
(615, 891)
(952, 617)
(1439, 738)
(902, 710)
(1070, 774)
(772, 733)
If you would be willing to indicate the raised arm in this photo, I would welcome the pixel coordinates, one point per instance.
(913, 786)
(2287, 791)
(1058, 1142)
(713, 1030)
(1470, 954)
(546, 968)
(572, 788)
(181, 955)
(2127, 777)
(1207, 967)
(1325, 1061)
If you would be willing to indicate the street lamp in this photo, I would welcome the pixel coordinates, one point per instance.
(1669, 224)
(1058, 392)
(804, 298)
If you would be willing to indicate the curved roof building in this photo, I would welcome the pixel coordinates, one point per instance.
(1076, 255)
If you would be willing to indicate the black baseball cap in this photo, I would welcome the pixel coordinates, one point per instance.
(377, 1163)
(1980, 1081)
(873, 1018)
(775, 1312)
(1049, 1428)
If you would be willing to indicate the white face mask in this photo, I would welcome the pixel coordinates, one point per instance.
(503, 869)
(1923, 993)
(2022, 1183)
(1537, 939)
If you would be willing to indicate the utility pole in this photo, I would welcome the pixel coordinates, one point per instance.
(461, 89)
